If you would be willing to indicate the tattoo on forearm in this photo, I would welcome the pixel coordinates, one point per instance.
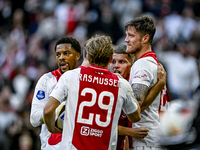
(140, 91)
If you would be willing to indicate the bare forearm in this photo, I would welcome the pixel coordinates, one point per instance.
(137, 133)
(49, 114)
(135, 116)
(123, 130)
(49, 120)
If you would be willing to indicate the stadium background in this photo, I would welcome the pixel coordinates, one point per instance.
(29, 29)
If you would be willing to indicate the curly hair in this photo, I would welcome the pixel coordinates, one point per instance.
(144, 25)
(99, 50)
(75, 44)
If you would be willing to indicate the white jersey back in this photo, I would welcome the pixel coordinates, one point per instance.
(94, 99)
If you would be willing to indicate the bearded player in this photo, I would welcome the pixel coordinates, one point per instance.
(122, 62)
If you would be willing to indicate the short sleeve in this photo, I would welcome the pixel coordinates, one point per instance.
(130, 105)
(143, 72)
(60, 90)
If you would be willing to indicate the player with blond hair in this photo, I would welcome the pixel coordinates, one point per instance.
(94, 99)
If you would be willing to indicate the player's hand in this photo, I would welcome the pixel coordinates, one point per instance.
(139, 133)
(161, 74)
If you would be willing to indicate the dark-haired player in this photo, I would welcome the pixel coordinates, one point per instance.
(68, 52)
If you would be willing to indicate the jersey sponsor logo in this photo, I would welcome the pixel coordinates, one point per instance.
(140, 76)
(40, 95)
(87, 131)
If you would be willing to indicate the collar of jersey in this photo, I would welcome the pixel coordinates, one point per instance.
(99, 67)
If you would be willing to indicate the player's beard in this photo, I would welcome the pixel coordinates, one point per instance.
(134, 49)
(138, 48)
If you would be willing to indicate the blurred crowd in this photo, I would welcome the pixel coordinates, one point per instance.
(30, 28)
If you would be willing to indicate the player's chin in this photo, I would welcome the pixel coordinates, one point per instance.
(129, 49)
(64, 69)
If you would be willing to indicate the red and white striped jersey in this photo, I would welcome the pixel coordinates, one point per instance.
(94, 99)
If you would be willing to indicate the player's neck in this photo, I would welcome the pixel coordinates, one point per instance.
(85, 63)
(144, 50)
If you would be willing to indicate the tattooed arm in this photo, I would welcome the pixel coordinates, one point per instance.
(140, 91)
(146, 97)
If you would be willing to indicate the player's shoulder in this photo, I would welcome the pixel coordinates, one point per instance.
(146, 60)
(47, 79)
(145, 63)
(123, 83)
(46, 76)
(82, 67)
(119, 76)
(70, 74)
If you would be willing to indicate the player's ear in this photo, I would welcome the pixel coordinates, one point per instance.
(78, 56)
(145, 39)
(111, 59)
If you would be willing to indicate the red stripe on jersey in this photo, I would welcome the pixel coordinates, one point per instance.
(57, 73)
(98, 94)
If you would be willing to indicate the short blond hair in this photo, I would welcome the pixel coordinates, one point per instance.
(99, 50)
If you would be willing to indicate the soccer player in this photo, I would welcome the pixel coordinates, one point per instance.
(85, 62)
(94, 99)
(122, 62)
(67, 51)
(139, 36)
